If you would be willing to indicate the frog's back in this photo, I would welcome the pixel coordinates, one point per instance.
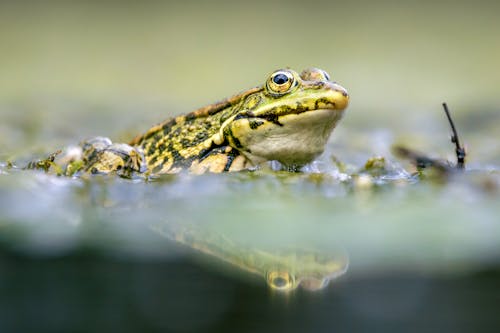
(181, 142)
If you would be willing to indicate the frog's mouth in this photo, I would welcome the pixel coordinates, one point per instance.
(331, 96)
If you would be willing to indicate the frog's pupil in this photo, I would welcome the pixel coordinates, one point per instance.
(280, 282)
(280, 79)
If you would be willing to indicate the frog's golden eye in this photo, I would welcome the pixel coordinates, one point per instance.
(281, 280)
(280, 82)
(325, 75)
(314, 74)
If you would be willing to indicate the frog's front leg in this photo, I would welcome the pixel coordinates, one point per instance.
(101, 156)
(220, 159)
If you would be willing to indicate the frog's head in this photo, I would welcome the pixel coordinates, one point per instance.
(289, 119)
(307, 269)
(284, 268)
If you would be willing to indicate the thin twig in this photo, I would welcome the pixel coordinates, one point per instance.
(459, 150)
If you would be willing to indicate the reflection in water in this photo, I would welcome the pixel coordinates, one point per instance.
(283, 268)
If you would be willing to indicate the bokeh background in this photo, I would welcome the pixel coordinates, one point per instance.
(76, 255)
(134, 64)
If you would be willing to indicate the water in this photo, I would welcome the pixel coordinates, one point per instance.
(411, 245)
(76, 250)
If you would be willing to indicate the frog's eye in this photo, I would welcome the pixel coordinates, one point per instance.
(325, 75)
(314, 74)
(281, 280)
(314, 283)
(280, 82)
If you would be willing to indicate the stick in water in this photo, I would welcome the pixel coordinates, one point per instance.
(459, 150)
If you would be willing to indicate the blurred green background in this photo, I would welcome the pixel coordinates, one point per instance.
(390, 54)
(396, 58)
(75, 250)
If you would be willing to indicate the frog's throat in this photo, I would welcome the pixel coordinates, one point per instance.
(293, 139)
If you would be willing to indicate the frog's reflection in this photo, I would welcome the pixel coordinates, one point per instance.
(283, 269)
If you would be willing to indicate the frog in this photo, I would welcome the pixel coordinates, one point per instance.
(284, 269)
(288, 118)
